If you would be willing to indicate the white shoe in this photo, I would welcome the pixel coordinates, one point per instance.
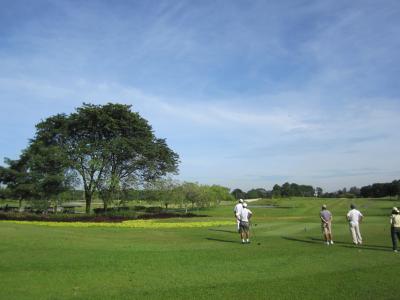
(327, 243)
(331, 242)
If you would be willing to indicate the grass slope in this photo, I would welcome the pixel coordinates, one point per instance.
(286, 259)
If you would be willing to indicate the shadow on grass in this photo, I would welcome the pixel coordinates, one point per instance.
(223, 241)
(222, 230)
(311, 240)
(352, 245)
(299, 240)
(366, 247)
(271, 206)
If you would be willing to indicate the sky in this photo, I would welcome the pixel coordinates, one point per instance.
(248, 93)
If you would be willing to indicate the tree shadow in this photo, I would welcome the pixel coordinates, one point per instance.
(223, 241)
(351, 244)
(311, 240)
(367, 247)
(299, 240)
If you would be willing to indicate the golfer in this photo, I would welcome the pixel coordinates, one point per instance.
(244, 226)
(395, 227)
(355, 217)
(326, 224)
(236, 210)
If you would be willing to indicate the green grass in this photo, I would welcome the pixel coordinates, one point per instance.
(290, 262)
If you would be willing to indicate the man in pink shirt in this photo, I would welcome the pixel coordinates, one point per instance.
(326, 224)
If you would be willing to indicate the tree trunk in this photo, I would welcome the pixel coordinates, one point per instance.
(88, 200)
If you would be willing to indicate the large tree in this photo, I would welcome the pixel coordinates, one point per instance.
(238, 194)
(109, 146)
(257, 193)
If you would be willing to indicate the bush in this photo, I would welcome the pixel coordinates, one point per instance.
(122, 212)
(139, 208)
(108, 217)
(123, 208)
(101, 210)
(153, 209)
(51, 217)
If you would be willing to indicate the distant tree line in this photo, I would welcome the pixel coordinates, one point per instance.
(353, 192)
(381, 189)
(376, 190)
(286, 190)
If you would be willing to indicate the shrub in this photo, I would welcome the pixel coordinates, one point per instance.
(153, 209)
(123, 208)
(107, 217)
(139, 208)
(101, 210)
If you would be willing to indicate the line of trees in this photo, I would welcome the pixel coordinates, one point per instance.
(167, 191)
(389, 189)
(375, 190)
(286, 190)
(163, 191)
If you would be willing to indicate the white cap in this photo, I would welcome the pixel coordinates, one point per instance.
(395, 209)
(244, 204)
(241, 200)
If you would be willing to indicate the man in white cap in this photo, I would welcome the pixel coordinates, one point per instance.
(237, 210)
(395, 227)
(326, 224)
(355, 217)
(244, 226)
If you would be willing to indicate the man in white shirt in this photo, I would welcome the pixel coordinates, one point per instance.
(355, 217)
(244, 218)
(237, 210)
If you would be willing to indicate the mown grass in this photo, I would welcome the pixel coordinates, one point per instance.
(286, 259)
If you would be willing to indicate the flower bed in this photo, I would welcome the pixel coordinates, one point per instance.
(126, 224)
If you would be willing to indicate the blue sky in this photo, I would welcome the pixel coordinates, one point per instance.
(248, 93)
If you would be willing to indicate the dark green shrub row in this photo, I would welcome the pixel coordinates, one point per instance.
(118, 210)
(63, 217)
(109, 217)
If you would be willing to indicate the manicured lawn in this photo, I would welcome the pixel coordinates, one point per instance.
(286, 259)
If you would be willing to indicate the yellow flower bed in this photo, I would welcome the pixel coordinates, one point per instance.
(127, 224)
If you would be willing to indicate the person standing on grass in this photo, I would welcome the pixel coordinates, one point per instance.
(326, 224)
(244, 225)
(395, 227)
(355, 217)
(237, 210)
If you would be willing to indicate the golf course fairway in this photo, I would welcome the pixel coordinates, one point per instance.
(286, 259)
